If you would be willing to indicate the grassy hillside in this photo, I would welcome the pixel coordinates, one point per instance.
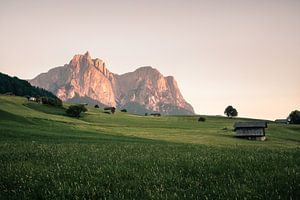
(45, 154)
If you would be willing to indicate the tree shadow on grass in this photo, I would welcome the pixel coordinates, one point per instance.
(46, 108)
(7, 116)
(18, 129)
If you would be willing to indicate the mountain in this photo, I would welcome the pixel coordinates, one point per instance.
(88, 80)
(16, 86)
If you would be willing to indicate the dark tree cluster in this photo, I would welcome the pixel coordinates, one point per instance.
(124, 110)
(18, 87)
(75, 110)
(51, 101)
(294, 117)
(230, 111)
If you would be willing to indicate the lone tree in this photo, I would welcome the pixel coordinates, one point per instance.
(230, 111)
(294, 117)
(75, 110)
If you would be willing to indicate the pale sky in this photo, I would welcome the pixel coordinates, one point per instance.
(231, 52)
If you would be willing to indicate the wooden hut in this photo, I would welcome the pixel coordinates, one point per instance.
(111, 109)
(32, 99)
(251, 130)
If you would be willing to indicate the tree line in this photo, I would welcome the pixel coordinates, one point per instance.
(15, 86)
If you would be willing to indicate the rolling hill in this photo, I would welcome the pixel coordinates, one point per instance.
(45, 154)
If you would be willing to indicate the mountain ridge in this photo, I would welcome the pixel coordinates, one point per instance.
(84, 77)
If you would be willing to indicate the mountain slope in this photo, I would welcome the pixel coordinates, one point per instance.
(145, 89)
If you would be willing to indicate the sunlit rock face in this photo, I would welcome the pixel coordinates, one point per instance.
(87, 79)
(82, 77)
(148, 87)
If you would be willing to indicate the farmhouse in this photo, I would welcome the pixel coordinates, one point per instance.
(251, 130)
(111, 109)
(32, 99)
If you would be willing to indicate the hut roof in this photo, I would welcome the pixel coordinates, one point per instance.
(255, 124)
(281, 120)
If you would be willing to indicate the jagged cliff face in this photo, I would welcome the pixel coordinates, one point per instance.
(150, 88)
(82, 77)
(88, 80)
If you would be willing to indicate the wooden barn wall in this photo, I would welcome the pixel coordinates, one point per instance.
(250, 132)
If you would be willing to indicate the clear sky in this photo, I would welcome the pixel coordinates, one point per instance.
(229, 52)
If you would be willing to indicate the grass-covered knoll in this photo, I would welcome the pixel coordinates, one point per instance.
(45, 154)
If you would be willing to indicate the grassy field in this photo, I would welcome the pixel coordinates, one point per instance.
(47, 155)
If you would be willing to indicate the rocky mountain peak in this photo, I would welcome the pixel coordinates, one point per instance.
(146, 68)
(87, 54)
(87, 57)
(81, 57)
(89, 80)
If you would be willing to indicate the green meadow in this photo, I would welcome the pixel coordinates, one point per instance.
(45, 154)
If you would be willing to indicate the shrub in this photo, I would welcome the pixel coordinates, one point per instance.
(294, 117)
(123, 110)
(51, 101)
(75, 110)
(96, 106)
(201, 119)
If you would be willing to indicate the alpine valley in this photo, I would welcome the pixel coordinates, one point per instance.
(87, 80)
